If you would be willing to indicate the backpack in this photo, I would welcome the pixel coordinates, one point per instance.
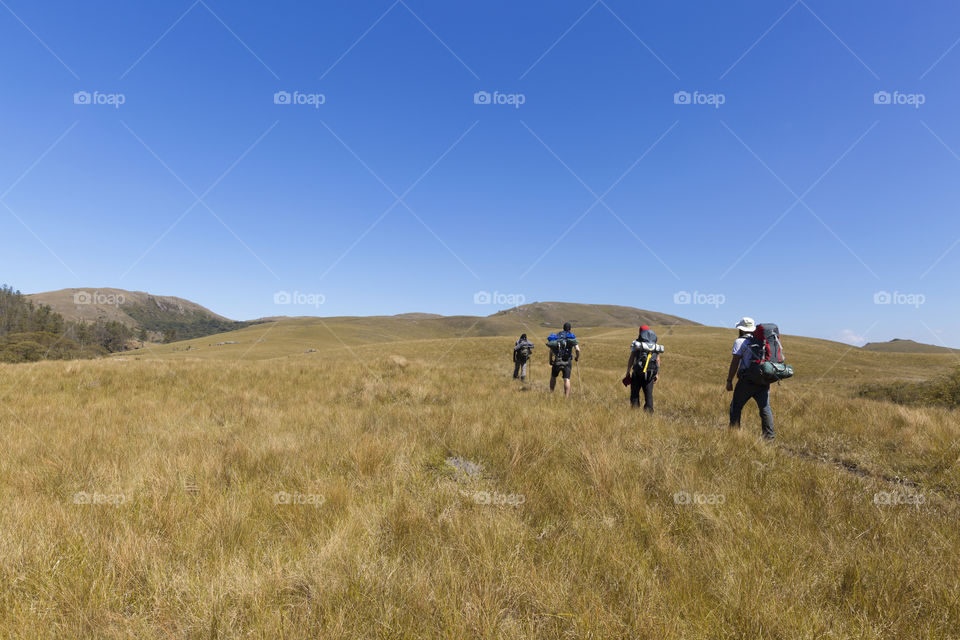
(648, 352)
(523, 350)
(562, 345)
(766, 357)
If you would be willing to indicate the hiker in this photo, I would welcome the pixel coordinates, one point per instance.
(643, 368)
(745, 390)
(564, 351)
(521, 357)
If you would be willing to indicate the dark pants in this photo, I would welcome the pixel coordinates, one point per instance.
(565, 368)
(520, 369)
(639, 382)
(742, 394)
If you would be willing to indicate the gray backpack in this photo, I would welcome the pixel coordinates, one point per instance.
(648, 351)
(767, 363)
(523, 350)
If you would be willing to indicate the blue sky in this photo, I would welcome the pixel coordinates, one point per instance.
(804, 197)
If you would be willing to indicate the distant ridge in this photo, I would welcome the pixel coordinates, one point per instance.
(554, 314)
(898, 345)
(308, 335)
(170, 318)
(114, 304)
(529, 317)
(157, 315)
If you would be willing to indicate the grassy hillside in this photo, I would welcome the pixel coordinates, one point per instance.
(110, 303)
(158, 315)
(943, 390)
(554, 314)
(260, 491)
(30, 332)
(898, 345)
(170, 319)
(294, 336)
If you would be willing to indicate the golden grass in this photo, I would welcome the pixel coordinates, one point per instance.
(385, 539)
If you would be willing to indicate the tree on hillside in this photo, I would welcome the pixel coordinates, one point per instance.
(31, 332)
(19, 315)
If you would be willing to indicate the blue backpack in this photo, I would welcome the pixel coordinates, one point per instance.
(562, 344)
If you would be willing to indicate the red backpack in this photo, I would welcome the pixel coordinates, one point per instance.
(766, 356)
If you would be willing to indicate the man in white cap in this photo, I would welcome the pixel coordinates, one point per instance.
(746, 390)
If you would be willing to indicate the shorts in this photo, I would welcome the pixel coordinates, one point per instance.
(564, 368)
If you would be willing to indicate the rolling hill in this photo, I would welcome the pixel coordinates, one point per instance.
(287, 336)
(116, 304)
(554, 314)
(898, 345)
(176, 320)
(137, 310)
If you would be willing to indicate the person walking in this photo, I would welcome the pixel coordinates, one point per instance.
(643, 368)
(746, 390)
(521, 357)
(564, 351)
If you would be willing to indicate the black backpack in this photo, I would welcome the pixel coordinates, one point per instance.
(646, 364)
(767, 364)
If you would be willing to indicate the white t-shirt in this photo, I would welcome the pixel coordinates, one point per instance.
(741, 347)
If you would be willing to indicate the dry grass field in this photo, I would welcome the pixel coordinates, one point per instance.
(255, 490)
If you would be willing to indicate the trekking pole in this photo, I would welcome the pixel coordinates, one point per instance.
(579, 379)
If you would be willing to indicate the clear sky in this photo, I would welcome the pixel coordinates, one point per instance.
(707, 159)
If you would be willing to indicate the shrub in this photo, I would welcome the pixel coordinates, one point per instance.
(943, 391)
